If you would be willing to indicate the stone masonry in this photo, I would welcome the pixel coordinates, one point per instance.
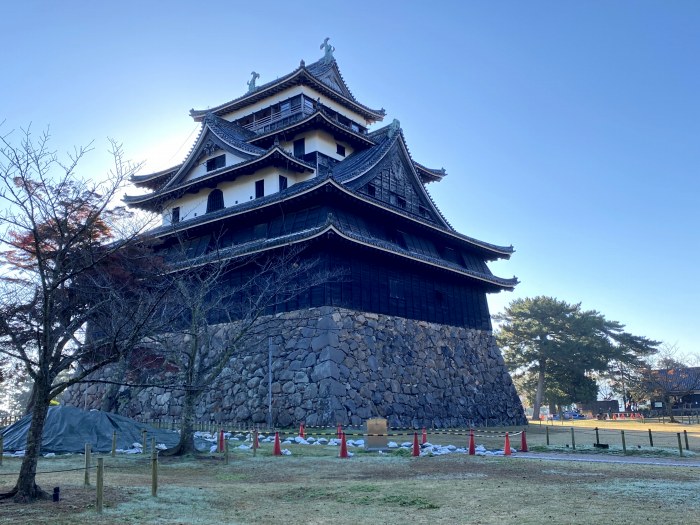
(331, 365)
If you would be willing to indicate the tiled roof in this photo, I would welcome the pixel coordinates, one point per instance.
(433, 174)
(359, 162)
(676, 380)
(214, 176)
(316, 71)
(318, 116)
(232, 134)
(240, 208)
(345, 229)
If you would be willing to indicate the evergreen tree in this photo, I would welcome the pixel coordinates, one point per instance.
(557, 347)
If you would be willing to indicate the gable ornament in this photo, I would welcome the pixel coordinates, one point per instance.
(394, 127)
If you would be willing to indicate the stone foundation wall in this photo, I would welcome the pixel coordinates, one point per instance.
(331, 365)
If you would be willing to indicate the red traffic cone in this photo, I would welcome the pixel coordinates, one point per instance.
(424, 439)
(506, 447)
(277, 451)
(343, 447)
(339, 431)
(416, 448)
(472, 447)
(523, 442)
(301, 431)
(221, 441)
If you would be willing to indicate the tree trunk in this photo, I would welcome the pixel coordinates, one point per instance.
(669, 409)
(31, 402)
(186, 443)
(26, 489)
(540, 393)
(109, 401)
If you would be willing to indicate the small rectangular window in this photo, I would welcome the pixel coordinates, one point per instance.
(216, 163)
(355, 127)
(299, 148)
(394, 289)
(283, 182)
(259, 188)
(175, 216)
(401, 202)
(371, 190)
(340, 149)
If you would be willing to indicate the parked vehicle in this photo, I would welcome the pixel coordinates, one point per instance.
(567, 415)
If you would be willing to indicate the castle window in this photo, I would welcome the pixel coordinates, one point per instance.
(299, 148)
(401, 202)
(394, 289)
(216, 163)
(355, 127)
(215, 201)
(175, 215)
(423, 211)
(340, 150)
(259, 188)
(283, 182)
(371, 190)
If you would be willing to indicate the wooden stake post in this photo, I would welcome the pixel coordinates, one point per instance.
(100, 484)
(87, 464)
(624, 444)
(154, 473)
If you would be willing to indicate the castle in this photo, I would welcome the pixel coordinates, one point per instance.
(406, 334)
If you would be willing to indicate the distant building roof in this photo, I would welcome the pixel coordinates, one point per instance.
(676, 380)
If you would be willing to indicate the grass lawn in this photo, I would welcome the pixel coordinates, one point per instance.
(314, 486)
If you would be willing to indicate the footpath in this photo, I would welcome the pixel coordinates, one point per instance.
(628, 460)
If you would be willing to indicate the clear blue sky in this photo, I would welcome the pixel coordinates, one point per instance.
(568, 129)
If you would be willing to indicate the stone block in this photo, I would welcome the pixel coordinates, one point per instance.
(326, 369)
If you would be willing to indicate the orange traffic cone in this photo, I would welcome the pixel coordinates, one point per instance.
(221, 441)
(277, 451)
(523, 442)
(506, 447)
(339, 431)
(301, 431)
(343, 447)
(416, 447)
(424, 440)
(472, 447)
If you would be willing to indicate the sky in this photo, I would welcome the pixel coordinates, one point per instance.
(570, 130)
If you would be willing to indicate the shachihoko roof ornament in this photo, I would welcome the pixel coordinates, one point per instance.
(327, 51)
(251, 82)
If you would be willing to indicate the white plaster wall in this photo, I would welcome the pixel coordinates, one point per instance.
(200, 169)
(321, 141)
(288, 93)
(235, 192)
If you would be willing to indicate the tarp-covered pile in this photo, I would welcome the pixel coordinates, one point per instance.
(68, 429)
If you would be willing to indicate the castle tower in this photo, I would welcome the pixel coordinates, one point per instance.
(406, 334)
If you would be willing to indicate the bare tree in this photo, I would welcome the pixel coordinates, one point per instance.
(63, 273)
(668, 379)
(218, 306)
